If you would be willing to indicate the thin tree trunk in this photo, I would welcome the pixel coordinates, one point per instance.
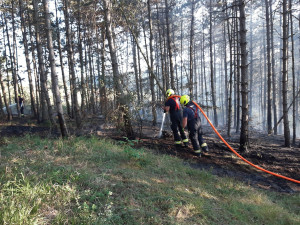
(43, 77)
(115, 67)
(251, 64)
(244, 141)
(269, 85)
(285, 33)
(136, 73)
(17, 90)
(229, 117)
(212, 84)
(191, 81)
(36, 78)
(62, 65)
(103, 83)
(238, 75)
(8, 110)
(25, 42)
(274, 77)
(153, 98)
(55, 88)
(293, 71)
(170, 49)
(14, 75)
(83, 83)
(75, 104)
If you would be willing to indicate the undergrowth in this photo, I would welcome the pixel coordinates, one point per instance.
(96, 181)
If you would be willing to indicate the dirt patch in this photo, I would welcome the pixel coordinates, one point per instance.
(265, 151)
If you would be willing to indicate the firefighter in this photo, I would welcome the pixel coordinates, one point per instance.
(191, 119)
(172, 106)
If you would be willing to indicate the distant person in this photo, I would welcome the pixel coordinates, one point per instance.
(21, 103)
(172, 106)
(191, 119)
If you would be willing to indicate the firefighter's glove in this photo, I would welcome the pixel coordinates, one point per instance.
(165, 111)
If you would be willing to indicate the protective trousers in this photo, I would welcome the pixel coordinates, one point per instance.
(176, 119)
(195, 133)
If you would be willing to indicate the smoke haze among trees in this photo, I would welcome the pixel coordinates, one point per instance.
(238, 59)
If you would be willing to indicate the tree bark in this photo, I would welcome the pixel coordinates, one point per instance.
(285, 33)
(13, 70)
(269, 85)
(293, 71)
(274, 76)
(55, 88)
(244, 141)
(8, 110)
(62, 65)
(191, 77)
(212, 80)
(25, 42)
(75, 104)
(43, 77)
(170, 49)
(153, 98)
(115, 67)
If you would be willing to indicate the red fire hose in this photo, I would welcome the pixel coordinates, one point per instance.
(237, 154)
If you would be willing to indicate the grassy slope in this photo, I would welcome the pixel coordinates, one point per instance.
(92, 181)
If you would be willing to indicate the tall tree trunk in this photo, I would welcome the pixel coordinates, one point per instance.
(6, 61)
(103, 82)
(169, 43)
(136, 73)
(293, 71)
(39, 99)
(251, 64)
(244, 141)
(62, 65)
(17, 90)
(43, 76)
(285, 33)
(212, 80)
(229, 117)
(92, 99)
(8, 110)
(274, 76)
(225, 67)
(83, 83)
(191, 81)
(75, 104)
(154, 121)
(14, 73)
(55, 88)
(25, 42)
(269, 85)
(115, 67)
(238, 74)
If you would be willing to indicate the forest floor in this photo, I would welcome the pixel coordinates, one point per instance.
(265, 151)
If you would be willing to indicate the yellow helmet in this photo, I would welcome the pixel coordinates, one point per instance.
(184, 99)
(170, 92)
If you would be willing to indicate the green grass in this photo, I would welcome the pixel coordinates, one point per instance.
(95, 181)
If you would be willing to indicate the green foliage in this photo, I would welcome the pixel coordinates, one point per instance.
(93, 181)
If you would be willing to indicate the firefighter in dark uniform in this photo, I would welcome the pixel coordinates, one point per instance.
(172, 106)
(191, 119)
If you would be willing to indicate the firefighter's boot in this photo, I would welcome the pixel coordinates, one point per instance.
(204, 147)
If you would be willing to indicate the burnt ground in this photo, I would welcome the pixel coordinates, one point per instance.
(265, 151)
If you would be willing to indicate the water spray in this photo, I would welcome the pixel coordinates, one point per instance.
(162, 125)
